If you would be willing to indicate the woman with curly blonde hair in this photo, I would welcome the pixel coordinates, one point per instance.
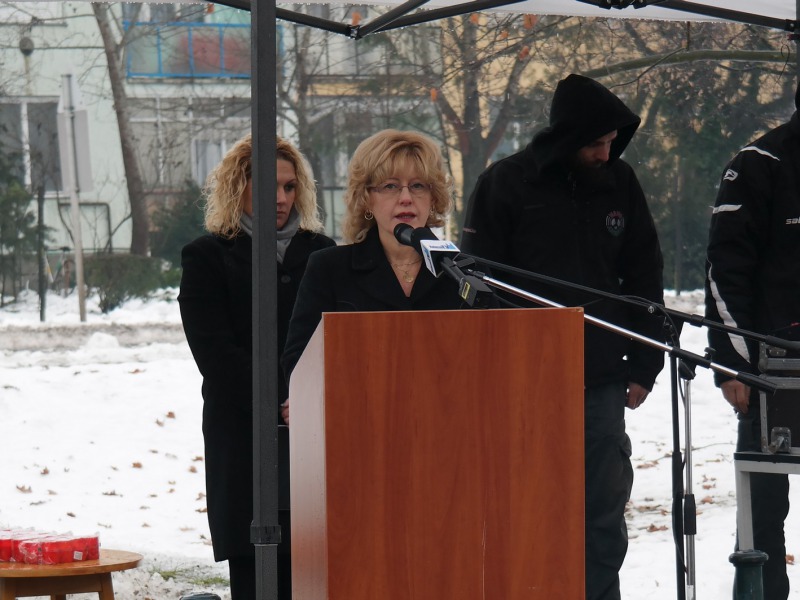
(215, 303)
(228, 190)
(394, 177)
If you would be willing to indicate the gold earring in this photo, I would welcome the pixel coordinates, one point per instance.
(368, 215)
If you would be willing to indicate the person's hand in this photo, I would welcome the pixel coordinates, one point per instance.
(285, 412)
(737, 395)
(636, 395)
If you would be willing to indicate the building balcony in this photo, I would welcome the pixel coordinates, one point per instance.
(187, 50)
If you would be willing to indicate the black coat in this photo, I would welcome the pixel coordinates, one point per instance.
(215, 302)
(753, 258)
(358, 277)
(530, 211)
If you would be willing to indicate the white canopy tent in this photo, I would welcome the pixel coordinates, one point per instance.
(776, 14)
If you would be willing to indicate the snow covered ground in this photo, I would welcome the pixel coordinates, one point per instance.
(100, 423)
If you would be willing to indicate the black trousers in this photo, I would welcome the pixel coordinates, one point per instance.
(769, 495)
(609, 479)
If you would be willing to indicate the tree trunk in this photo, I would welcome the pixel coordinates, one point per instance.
(140, 218)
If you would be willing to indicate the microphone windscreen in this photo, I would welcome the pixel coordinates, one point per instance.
(403, 233)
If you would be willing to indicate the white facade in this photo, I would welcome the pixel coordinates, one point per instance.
(182, 124)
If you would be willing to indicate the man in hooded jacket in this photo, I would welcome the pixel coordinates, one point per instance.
(568, 207)
(751, 283)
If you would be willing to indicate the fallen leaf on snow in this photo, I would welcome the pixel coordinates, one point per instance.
(25, 489)
(137, 465)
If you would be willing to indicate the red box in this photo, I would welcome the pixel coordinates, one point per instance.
(57, 549)
(10, 540)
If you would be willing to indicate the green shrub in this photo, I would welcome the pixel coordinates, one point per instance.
(120, 277)
(176, 224)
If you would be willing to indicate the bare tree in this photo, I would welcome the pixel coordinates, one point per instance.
(114, 42)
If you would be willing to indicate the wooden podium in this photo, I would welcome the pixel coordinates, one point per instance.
(439, 455)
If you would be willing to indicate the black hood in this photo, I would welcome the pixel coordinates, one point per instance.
(582, 111)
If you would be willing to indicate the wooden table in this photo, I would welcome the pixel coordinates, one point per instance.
(19, 580)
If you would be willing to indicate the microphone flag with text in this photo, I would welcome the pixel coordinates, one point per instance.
(441, 256)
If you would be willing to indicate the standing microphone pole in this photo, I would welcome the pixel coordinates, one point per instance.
(445, 257)
(686, 373)
(684, 508)
(677, 484)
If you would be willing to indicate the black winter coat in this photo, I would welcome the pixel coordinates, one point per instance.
(358, 277)
(532, 212)
(215, 302)
(754, 247)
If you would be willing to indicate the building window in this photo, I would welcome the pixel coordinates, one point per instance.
(29, 143)
(207, 154)
(180, 139)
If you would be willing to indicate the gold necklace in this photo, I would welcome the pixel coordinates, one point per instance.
(407, 277)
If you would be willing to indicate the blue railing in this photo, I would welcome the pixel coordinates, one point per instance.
(183, 50)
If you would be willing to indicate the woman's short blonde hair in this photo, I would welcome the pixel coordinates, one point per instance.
(226, 183)
(377, 159)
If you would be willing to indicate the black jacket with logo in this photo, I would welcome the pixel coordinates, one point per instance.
(530, 211)
(754, 246)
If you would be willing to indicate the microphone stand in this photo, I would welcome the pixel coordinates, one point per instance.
(682, 366)
(471, 289)
(673, 351)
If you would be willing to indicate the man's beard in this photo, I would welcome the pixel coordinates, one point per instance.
(590, 176)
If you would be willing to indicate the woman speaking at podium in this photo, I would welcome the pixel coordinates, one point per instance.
(394, 177)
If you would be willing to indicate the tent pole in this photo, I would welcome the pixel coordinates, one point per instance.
(265, 531)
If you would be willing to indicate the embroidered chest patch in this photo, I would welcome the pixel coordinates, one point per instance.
(615, 222)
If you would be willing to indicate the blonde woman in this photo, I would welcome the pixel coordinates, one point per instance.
(394, 177)
(215, 303)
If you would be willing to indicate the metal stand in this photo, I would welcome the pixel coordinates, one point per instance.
(689, 505)
(684, 506)
(779, 416)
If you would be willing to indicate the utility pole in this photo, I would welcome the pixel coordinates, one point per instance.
(73, 130)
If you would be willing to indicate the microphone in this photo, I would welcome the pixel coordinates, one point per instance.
(403, 233)
(425, 242)
(441, 256)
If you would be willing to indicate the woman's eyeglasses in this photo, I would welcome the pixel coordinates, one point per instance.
(393, 190)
